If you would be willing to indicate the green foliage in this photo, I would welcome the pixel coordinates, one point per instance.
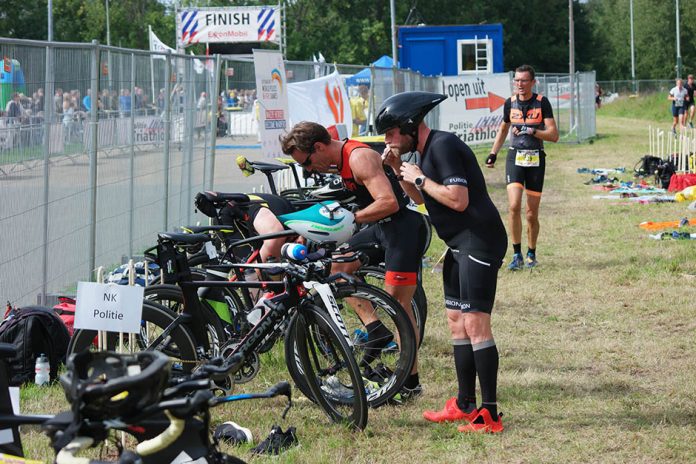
(653, 107)
(359, 31)
(654, 37)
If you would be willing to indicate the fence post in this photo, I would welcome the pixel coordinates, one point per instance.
(94, 80)
(187, 165)
(131, 161)
(214, 121)
(48, 121)
(578, 99)
(167, 132)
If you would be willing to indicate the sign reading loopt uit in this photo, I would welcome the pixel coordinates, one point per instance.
(227, 25)
(272, 94)
(113, 308)
(473, 109)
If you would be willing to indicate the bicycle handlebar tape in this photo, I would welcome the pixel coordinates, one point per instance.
(164, 439)
(244, 166)
(293, 251)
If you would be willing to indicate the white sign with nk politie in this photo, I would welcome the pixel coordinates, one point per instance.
(109, 307)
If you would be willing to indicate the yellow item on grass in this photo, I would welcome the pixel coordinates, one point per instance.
(9, 459)
(688, 194)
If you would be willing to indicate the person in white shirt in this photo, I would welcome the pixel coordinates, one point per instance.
(680, 97)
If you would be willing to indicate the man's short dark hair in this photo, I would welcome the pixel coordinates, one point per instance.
(303, 136)
(526, 68)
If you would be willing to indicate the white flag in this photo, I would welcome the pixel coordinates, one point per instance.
(197, 65)
(156, 45)
(323, 100)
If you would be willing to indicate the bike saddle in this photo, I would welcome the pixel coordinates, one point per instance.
(267, 167)
(184, 239)
(218, 197)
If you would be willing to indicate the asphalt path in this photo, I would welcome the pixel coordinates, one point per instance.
(21, 211)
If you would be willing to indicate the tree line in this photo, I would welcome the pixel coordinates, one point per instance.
(359, 31)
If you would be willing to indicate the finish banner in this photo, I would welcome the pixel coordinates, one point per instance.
(228, 25)
(272, 95)
(473, 109)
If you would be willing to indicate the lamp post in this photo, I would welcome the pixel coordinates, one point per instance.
(108, 32)
(633, 51)
(50, 20)
(679, 58)
(571, 63)
(392, 9)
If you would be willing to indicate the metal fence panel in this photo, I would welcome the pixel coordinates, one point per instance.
(89, 177)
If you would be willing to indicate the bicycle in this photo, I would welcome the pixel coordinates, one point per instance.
(166, 419)
(385, 363)
(290, 301)
(212, 203)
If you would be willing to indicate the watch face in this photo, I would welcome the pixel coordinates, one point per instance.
(419, 181)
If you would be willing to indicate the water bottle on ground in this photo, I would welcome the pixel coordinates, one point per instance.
(42, 370)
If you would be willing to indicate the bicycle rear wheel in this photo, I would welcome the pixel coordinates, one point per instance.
(155, 319)
(325, 366)
(171, 297)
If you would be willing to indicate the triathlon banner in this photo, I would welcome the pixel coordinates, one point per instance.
(272, 95)
(323, 100)
(228, 25)
(473, 109)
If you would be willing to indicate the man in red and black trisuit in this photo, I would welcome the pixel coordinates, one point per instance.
(382, 203)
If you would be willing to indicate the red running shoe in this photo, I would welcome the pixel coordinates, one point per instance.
(450, 413)
(483, 423)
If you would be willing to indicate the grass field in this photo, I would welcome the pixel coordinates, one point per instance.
(597, 346)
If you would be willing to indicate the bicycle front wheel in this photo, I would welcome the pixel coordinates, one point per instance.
(324, 364)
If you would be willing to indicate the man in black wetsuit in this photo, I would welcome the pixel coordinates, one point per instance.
(381, 200)
(450, 183)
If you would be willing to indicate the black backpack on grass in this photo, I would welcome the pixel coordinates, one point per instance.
(33, 330)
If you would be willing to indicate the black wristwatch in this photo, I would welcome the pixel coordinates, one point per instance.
(419, 182)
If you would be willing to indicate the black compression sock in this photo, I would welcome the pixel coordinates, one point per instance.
(465, 367)
(531, 251)
(412, 381)
(486, 358)
(378, 336)
(517, 248)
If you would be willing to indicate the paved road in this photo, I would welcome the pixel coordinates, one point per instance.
(21, 212)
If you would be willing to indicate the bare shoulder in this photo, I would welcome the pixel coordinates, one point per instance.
(365, 161)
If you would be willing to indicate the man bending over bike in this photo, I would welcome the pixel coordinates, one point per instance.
(260, 218)
(382, 201)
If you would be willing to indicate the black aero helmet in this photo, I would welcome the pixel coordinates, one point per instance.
(406, 110)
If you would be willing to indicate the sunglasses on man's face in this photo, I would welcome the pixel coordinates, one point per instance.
(308, 160)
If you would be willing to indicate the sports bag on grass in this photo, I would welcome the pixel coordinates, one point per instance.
(34, 330)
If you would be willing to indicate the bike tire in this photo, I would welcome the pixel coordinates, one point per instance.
(171, 297)
(326, 367)
(394, 365)
(155, 318)
(375, 275)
